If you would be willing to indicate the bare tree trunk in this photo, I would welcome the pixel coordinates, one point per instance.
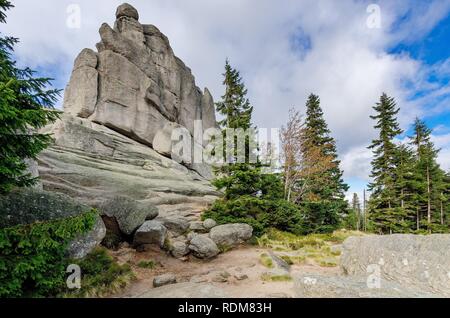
(403, 201)
(417, 219)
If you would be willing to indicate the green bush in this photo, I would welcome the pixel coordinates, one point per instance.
(100, 275)
(322, 216)
(33, 257)
(261, 214)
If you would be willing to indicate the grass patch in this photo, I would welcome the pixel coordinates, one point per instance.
(147, 264)
(266, 260)
(313, 248)
(101, 276)
(275, 278)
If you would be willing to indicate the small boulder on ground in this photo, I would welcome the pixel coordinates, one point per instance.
(28, 205)
(128, 213)
(151, 232)
(179, 249)
(176, 225)
(81, 246)
(165, 279)
(231, 234)
(203, 247)
(209, 224)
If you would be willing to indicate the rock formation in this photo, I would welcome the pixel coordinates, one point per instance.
(117, 101)
(112, 145)
(135, 84)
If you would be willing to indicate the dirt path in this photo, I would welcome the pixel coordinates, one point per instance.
(243, 261)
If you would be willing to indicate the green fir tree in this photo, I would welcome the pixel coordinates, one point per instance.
(25, 106)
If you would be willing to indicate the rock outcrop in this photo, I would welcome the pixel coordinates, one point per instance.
(28, 206)
(114, 139)
(136, 85)
(421, 262)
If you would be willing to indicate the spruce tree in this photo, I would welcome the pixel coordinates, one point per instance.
(25, 106)
(429, 179)
(385, 215)
(330, 185)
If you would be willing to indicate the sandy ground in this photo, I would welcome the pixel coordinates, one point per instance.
(237, 262)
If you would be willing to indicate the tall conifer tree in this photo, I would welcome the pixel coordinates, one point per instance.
(383, 212)
(329, 185)
(25, 106)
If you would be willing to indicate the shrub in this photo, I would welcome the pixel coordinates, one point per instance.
(260, 213)
(100, 275)
(33, 256)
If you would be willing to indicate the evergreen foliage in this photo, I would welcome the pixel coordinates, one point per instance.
(33, 257)
(25, 106)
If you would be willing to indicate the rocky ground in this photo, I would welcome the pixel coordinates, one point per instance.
(237, 273)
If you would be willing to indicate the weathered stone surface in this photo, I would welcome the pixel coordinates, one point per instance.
(208, 111)
(33, 170)
(177, 225)
(203, 247)
(165, 279)
(197, 226)
(151, 232)
(415, 261)
(322, 286)
(129, 214)
(162, 142)
(209, 224)
(186, 290)
(126, 10)
(27, 206)
(135, 85)
(80, 97)
(179, 249)
(231, 234)
(90, 162)
(84, 244)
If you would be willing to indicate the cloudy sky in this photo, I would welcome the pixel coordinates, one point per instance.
(347, 52)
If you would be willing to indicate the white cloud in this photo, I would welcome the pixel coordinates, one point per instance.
(284, 53)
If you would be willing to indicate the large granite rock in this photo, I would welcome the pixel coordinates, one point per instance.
(27, 206)
(128, 213)
(82, 245)
(313, 285)
(151, 232)
(203, 247)
(228, 235)
(414, 261)
(92, 163)
(135, 84)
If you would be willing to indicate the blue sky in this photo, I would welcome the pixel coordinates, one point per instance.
(284, 53)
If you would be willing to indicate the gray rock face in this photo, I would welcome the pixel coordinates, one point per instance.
(151, 232)
(322, 286)
(203, 247)
(26, 206)
(179, 249)
(209, 224)
(84, 244)
(165, 279)
(129, 214)
(126, 10)
(420, 262)
(90, 162)
(231, 234)
(136, 85)
(186, 290)
(176, 225)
